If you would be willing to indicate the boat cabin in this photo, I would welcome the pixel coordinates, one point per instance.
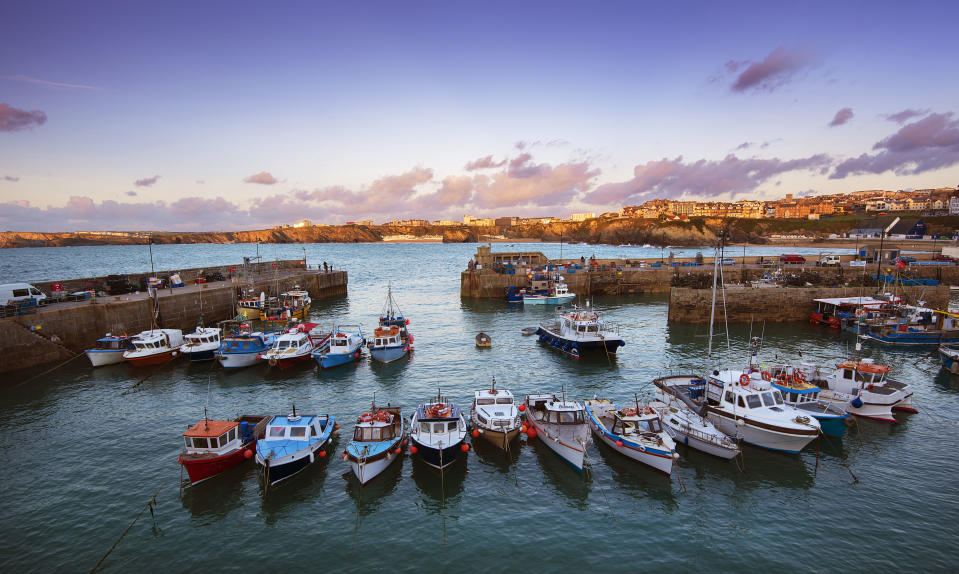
(114, 343)
(295, 427)
(865, 371)
(208, 336)
(148, 342)
(726, 389)
(386, 336)
(376, 426)
(212, 437)
(549, 410)
(494, 407)
(632, 422)
(238, 344)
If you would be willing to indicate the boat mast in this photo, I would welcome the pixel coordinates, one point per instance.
(712, 310)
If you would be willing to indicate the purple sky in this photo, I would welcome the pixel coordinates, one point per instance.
(233, 115)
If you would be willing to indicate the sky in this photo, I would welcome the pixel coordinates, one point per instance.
(204, 116)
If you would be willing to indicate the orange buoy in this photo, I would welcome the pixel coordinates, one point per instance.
(398, 450)
(344, 456)
(465, 447)
(247, 453)
(521, 408)
(475, 433)
(322, 454)
(531, 433)
(336, 426)
(619, 443)
(413, 450)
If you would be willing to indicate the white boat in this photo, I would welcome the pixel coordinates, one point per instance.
(391, 339)
(201, 345)
(550, 289)
(494, 416)
(577, 332)
(154, 347)
(437, 432)
(377, 442)
(561, 425)
(861, 388)
(688, 428)
(109, 350)
(296, 345)
(634, 432)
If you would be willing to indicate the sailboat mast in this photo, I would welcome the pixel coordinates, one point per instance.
(712, 310)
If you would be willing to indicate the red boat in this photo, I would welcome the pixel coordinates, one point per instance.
(213, 447)
(154, 347)
(296, 345)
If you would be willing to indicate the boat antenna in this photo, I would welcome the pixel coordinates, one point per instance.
(636, 396)
(373, 404)
(492, 386)
(206, 421)
(712, 311)
(294, 409)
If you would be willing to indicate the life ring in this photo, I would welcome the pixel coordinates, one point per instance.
(800, 376)
(870, 387)
(766, 376)
(744, 379)
(366, 417)
(629, 412)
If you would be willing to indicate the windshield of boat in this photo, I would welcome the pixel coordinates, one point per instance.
(277, 432)
(339, 342)
(485, 402)
(754, 402)
(646, 425)
(504, 401)
(282, 344)
(768, 399)
(298, 432)
(372, 434)
(566, 417)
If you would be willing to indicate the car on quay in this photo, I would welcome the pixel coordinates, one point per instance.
(792, 258)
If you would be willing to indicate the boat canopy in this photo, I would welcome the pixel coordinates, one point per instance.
(438, 411)
(210, 428)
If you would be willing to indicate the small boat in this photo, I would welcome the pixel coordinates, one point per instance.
(296, 345)
(494, 416)
(843, 312)
(688, 428)
(948, 356)
(292, 443)
(483, 340)
(578, 331)
(391, 339)
(377, 441)
(344, 345)
(561, 425)
(634, 432)
(243, 349)
(438, 432)
(545, 289)
(920, 327)
(861, 388)
(109, 350)
(214, 447)
(202, 344)
(803, 395)
(293, 304)
(154, 347)
(253, 308)
(529, 330)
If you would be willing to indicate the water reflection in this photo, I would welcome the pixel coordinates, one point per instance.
(368, 497)
(281, 500)
(562, 477)
(494, 457)
(633, 476)
(439, 487)
(215, 498)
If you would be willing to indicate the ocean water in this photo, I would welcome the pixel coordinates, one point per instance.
(83, 450)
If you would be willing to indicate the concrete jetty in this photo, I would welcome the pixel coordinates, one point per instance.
(59, 331)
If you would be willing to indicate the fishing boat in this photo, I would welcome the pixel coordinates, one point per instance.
(253, 307)
(109, 350)
(483, 340)
(345, 344)
(688, 428)
(843, 312)
(545, 289)
(295, 345)
(495, 417)
(577, 332)
(242, 349)
(293, 304)
(202, 344)
(377, 441)
(560, 424)
(799, 393)
(860, 387)
(292, 442)
(636, 433)
(154, 347)
(213, 447)
(948, 356)
(438, 432)
(926, 327)
(391, 339)
(744, 405)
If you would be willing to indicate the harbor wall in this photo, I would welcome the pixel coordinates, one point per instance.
(776, 304)
(78, 325)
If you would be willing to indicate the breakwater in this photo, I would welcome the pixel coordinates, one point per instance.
(58, 331)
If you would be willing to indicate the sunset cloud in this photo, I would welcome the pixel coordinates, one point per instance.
(924, 145)
(263, 178)
(484, 163)
(10, 178)
(131, 193)
(841, 117)
(14, 119)
(673, 178)
(775, 70)
(146, 182)
(905, 115)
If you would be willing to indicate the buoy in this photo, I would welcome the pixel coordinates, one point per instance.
(531, 433)
(465, 447)
(521, 408)
(336, 426)
(413, 450)
(675, 456)
(344, 456)
(322, 454)
(406, 441)
(475, 433)
(247, 453)
(398, 450)
(619, 443)
(523, 428)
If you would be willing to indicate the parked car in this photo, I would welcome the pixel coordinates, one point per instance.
(829, 261)
(941, 257)
(792, 258)
(906, 259)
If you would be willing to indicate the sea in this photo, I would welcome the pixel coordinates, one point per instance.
(84, 450)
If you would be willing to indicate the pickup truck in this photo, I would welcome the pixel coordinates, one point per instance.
(829, 261)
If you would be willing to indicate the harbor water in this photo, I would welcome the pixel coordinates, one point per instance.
(84, 450)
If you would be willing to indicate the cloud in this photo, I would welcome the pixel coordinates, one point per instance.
(131, 193)
(200, 181)
(904, 115)
(484, 163)
(10, 178)
(841, 117)
(924, 145)
(264, 178)
(14, 119)
(146, 182)
(744, 145)
(673, 178)
(21, 78)
(772, 72)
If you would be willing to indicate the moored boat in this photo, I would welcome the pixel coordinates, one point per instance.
(861, 388)
(243, 349)
(494, 416)
(688, 428)
(949, 357)
(483, 340)
(289, 305)
(213, 447)
(438, 432)
(295, 345)
(109, 350)
(803, 395)
(561, 425)
(635, 432)
(577, 332)
(201, 345)
(377, 441)
(154, 347)
(545, 289)
(345, 344)
(391, 339)
(291, 443)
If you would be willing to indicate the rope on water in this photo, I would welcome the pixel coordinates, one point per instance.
(44, 372)
(149, 505)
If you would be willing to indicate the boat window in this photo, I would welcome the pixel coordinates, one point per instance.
(593, 328)
(224, 438)
(282, 344)
(485, 401)
(481, 419)
(570, 417)
(277, 432)
(199, 442)
(186, 442)
(754, 402)
(424, 427)
(438, 427)
(768, 399)
(792, 397)
(451, 426)
(233, 433)
(846, 374)
(297, 432)
(313, 431)
(741, 403)
(729, 398)
(504, 401)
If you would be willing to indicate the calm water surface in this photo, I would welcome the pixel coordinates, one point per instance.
(83, 449)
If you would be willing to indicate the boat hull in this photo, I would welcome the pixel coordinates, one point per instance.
(693, 442)
(366, 470)
(330, 360)
(152, 359)
(574, 455)
(577, 348)
(389, 354)
(949, 359)
(200, 356)
(656, 458)
(551, 300)
(100, 358)
(285, 362)
(439, 458)
(238, 360)
(497, 438)
(762, 436)
(205, 468)
(285, 467)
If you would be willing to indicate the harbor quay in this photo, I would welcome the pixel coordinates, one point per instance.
(60, 331)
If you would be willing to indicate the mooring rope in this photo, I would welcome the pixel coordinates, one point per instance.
(150, 504)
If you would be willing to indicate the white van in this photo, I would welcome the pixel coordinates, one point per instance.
(830, 261)
(19, 292)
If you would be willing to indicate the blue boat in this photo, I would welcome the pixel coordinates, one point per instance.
(291, 444)
(344, 345)
(391, 339)
(804, 396)
(377, 442)
(545, 289)
(577, 332)
(109, 350)
(949, 356)
(243, 349)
